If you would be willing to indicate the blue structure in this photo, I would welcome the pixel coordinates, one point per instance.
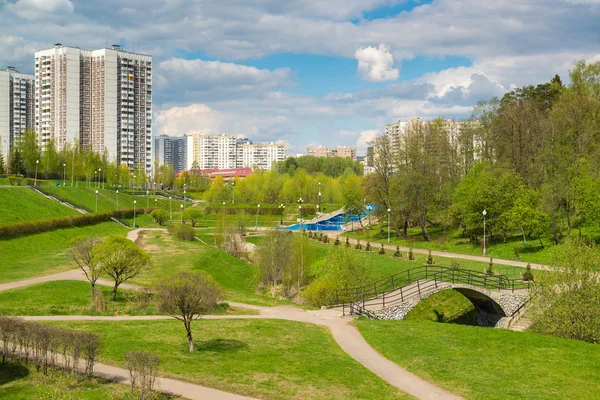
(333, 223)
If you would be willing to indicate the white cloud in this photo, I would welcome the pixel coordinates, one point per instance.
(38, 9)
(365, 137)
(178, 121)
(376, 64)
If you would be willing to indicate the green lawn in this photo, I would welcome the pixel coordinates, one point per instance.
(45, 253)
(73, 298)
(269, 359)
(23, 204)
(20, 383)
(453, 241)
(487, 363)
(169, 255)
(445, 306)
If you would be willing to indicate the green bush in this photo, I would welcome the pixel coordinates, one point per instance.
(382, 250)
(429, 260)
(489, 270)
(183, 232)
(368, 248)
(337, 241)
(527, 275)
(411, 256)
(347, 242)
(15, 180)
(160, 216)
(48, 224)
(397, 253)
(358, 246)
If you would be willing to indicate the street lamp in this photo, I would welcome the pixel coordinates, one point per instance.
(281, 208)
(300, 212)
(96, 200)
(232, 192)
(181, 207)
(184, 199)
(134, 203)
(96, 178)
(318, 214)
(319, 205)
(36, 168)
(64, 174)
(257, 211)
(100, 176)
(484, 214)
(170, 209)
(389, 224)
(117, 199)
(147, 199)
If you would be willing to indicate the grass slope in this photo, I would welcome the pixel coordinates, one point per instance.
(488, 364)
(73, 298)
(23, 204)
(20, 383)
(445, 306)
(45, 253)
(269, 359)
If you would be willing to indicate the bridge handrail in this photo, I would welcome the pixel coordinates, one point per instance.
(427, 272)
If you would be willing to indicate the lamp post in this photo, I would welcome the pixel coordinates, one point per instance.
(300, 212)
(232, 192)
(147, 199)
(184, 199)
(318, 215)
(96, 200)
(319, 204)
(257, 211)
(170, 209)
(117, 199)
(155, 203)
(64, 174)
(96, 178)
(181, 207)
(484, 214)
(100, 177)
(154, 186)
(36, 168)
(389, 224)
(134, 203)
(281, 209)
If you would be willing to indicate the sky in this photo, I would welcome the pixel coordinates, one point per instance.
(315, 72)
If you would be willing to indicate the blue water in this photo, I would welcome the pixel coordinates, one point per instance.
(333, 223)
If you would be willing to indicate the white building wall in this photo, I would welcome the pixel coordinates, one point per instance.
(4, 112)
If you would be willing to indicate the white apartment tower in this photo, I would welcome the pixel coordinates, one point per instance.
(100, 99)
(214, 151)
(260, 156)
(16, 106)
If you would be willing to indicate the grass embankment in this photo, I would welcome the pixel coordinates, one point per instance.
(73, 298)
(484, 363)
(445, 306)
(23, 204)
(453, 241)
(20, 383)
(169, 255)
(46, 253)
(268, 359)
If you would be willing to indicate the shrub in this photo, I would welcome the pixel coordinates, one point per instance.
(48, 224)
(310, 234)
(183, 232)
(143, 368)
(347, 242)
(397, 253)
(489, 270)
(527, 275)
(15, 180)
(517, 250)
(368, 247)
(411, 256)
(325, 239)
(160, 216)
(358, 246)
(429, 260)
(382, 250)
(337, 241)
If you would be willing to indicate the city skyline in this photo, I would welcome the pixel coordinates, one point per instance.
(312, 73)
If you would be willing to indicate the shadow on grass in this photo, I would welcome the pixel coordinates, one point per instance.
(220, 345)
(11, 372)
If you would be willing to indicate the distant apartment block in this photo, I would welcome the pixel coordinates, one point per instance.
(99, 99)
(260, 156)
(171, 150)
(214, 151)
(332, 152)
(16, 106)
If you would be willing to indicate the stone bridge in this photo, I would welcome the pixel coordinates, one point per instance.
(496, 299)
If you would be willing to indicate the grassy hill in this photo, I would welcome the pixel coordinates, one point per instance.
(486, 363)
(23, 204)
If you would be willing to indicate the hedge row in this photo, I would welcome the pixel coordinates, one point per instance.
(49, 224)
(306, 210)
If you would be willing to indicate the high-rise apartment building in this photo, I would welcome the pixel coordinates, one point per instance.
(214, 151)
(332, 152)
(16, 106)
(171, 150)
(260, 156)
(100, 99)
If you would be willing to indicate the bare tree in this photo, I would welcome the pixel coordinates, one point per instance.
(81, 253)
(120, 259)
(186, 296)
(143, 368)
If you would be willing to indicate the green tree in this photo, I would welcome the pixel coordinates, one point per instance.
(193, 214)
(16, 163)
(187, 296)
(353, 195)
(120, 259)
(160, 216)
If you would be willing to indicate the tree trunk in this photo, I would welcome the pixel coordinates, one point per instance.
(554, 231)
(114, 296)
(188, 328)
(423, 223)
(405, 228)
(93, 290)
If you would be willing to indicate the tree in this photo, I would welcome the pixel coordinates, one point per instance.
(353, 194)
(81, 252)
(16, 163)
(274, 256)
(160, 216)
(566, 301)
(120, 259)
(193, 215)
(187, 296)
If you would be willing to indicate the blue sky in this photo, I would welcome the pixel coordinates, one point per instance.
(316, 72)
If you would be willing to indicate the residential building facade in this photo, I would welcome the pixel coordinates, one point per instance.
(260, 156)
(214, 151)
(16, 106)
(332, 152)
(172, 151)
(100, 99)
